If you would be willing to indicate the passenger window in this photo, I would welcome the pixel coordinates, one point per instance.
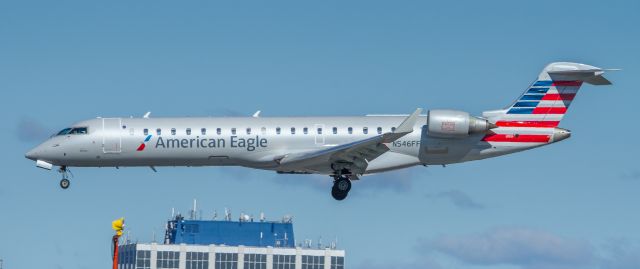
(218, 131)
(379, 130)
(188, 131)
(305, 130)
(145, 131)
(158, 131)
(293, 130)
(278, 130)
(248, 131)
(263, 130)
(233, 131)
(319, 131)
(203, 131)
(350, 130)
(393, 129)
(335, 130)
(365, 130)
(173, 131)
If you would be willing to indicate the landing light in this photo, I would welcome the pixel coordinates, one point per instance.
(44, 165)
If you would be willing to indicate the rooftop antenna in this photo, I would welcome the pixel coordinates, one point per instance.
(262, 217)
(173, 212)
(227, 214)
(215, 214)
(194, 210)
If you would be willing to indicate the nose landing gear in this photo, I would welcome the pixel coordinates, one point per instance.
(341, 187)
(64, 182)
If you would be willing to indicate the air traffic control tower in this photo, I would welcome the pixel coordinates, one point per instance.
(227, 244)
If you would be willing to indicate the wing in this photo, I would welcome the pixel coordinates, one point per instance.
(353, 156)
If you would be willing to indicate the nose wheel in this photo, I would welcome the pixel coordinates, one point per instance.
(64, 182)
(341, 187)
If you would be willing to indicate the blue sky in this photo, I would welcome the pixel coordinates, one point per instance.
(573, 204)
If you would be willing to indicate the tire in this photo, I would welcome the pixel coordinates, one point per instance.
(65, 183)
(338, 195)
(343, 184)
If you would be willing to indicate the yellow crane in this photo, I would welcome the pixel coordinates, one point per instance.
(117, 226)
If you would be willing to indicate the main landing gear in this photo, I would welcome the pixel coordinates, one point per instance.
(341, 187)
(64, 182)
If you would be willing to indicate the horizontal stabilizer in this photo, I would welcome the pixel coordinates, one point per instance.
(578, 72)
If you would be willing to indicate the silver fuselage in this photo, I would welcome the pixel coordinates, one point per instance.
(255, 142)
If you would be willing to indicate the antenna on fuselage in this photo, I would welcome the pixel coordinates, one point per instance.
(257, 114)
(146, 115)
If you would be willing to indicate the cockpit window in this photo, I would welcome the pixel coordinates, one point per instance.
(64, 131)
(75, 130)
(78, 130)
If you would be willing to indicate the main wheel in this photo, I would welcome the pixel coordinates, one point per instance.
(338, 195)
(341, 188)
(64, 183)
(342, 184)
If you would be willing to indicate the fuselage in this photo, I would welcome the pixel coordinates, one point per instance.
(258, 142)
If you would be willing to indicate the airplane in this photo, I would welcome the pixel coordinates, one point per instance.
(345, 148)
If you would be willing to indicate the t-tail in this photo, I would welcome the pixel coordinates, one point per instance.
(534, 117)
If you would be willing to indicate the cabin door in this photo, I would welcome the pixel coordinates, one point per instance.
(111, 135)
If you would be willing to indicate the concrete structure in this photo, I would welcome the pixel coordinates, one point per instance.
(260, 245)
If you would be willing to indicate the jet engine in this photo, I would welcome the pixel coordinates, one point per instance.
(443, 123)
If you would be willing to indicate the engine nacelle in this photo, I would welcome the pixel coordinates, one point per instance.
(443, 123)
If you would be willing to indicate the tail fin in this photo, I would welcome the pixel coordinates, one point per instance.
(546, 101)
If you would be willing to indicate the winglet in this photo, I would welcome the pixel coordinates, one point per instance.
(407, 125)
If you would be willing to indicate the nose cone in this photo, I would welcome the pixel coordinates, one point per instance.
(560, 134)
(35, 153)
(32, 154)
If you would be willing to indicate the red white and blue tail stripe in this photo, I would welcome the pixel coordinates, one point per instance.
(543, 105)
(534, 117)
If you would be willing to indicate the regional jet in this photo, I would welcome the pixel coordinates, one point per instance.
(344, 148)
